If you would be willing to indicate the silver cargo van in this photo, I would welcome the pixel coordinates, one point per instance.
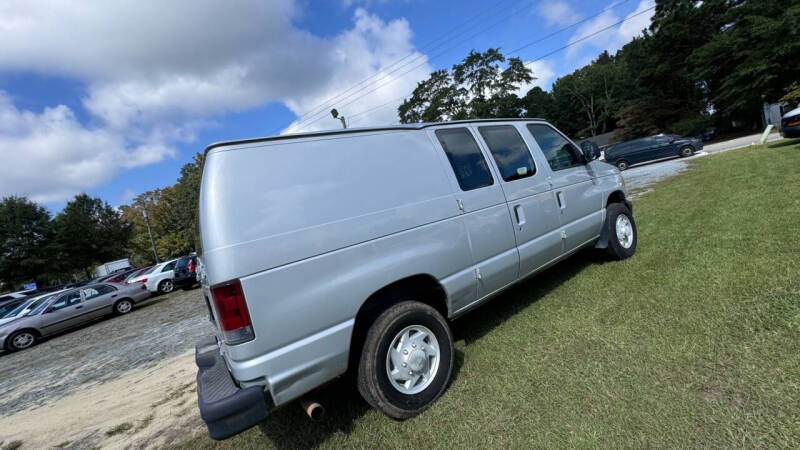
(353, 249)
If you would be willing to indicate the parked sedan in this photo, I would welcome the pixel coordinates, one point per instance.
(625, 154)
(59, 312)
(22, 308)
(157, 279)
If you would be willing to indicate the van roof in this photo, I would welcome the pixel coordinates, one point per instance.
(406, 126)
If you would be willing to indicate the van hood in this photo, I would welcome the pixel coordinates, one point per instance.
(792, 113)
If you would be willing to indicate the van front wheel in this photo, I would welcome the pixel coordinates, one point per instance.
(406, 360)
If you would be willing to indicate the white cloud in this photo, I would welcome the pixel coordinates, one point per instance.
(543, 72)
(614, 38)
(50, 156)
(558, 13)
(127, 197)
(156, 73)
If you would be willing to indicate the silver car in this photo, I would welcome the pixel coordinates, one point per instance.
(58, 312)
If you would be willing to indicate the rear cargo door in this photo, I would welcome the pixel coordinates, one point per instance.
(485, 214)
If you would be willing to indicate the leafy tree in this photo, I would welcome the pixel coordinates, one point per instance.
(478, 87)
(87, 232)
(172, 212)
(751, 56)
(24, 231)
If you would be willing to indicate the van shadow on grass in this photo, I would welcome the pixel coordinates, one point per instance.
(289, 427)
(784, 143)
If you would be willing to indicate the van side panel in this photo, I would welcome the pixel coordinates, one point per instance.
(303, 312)
(274, 203)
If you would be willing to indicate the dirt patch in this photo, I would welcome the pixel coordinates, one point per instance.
(147, 408)
(122, 382)
(161, 328)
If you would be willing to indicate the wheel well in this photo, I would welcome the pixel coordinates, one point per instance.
(123, 298)
(32, 330)
(616, 197)
(423, 288)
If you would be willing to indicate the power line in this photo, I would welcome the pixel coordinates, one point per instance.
(311, 121)
(320, 114)
(327, 103)
(570, 44)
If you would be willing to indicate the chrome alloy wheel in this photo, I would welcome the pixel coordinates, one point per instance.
(124, 307)
(167, 286)
(413, 359)
(624, 231)
(23, 340)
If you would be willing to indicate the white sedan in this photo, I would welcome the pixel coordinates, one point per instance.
(158, 278)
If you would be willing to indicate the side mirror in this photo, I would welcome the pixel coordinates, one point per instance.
(590, 150)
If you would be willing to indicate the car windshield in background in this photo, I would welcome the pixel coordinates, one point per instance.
(39, 305)
(6, 309)
(149, 270)
(22, 307)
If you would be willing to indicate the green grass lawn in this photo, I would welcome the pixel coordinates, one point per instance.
(694, 341)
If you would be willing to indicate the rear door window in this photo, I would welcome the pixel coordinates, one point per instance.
(469, 165)
(560, 152)
(509, 151)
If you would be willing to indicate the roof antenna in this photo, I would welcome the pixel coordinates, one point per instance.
(336, 115)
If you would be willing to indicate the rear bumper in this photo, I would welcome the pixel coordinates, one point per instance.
(189, 280)
(790, 132)
(226, 408)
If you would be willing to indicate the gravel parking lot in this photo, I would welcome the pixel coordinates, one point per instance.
(160, 328)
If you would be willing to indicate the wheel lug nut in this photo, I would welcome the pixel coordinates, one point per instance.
(404, 364)
(405, 352)
(413, 345)
(410, 372)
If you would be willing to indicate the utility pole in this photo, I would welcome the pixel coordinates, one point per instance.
(149, 231)
(336, 115)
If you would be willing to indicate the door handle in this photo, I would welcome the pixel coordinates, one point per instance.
(560, 198)
(520, 213)
(79, 307)
(113, 295)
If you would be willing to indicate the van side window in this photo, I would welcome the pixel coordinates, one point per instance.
(510, 152)
(560, 153)
(466, 158)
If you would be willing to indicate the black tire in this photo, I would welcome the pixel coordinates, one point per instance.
(12, 341)
(622, 165)
(123, 306)
(686, 151)
(373, 380)
(615, 248)
(166, 286)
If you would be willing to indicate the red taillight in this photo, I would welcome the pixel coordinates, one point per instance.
(143, 280)
(232, 312)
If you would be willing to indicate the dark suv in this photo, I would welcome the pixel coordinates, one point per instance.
(625, 154)
(184, 272)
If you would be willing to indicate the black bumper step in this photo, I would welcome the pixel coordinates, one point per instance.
(226, 408)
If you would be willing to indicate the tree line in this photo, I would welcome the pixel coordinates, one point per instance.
(700, 64)
(36, 247)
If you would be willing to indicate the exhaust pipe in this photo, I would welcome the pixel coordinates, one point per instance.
(313, 410)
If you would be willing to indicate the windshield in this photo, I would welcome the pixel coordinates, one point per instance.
(16, 311)
(10, 306)
(150, 270)
(39, 305)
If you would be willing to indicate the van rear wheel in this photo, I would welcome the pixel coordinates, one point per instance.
(622, 165)
(687, 151)
(406, 360)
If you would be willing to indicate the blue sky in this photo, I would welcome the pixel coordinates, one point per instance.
(114, 98)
